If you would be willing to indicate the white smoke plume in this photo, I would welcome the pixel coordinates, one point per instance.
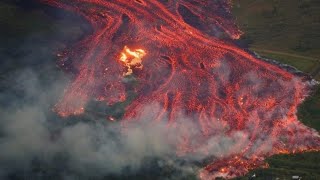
(31, 131)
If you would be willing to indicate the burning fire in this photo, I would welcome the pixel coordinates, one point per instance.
(227, 93)
(132, 59)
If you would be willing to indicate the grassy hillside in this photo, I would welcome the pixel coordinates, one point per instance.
(282, 25)
(287, 31)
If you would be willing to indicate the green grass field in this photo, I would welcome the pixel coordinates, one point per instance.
(291, 26)
(287, 31)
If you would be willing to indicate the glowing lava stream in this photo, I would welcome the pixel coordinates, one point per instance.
(193, 75)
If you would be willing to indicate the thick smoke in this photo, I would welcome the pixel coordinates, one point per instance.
(35, 143)
(29, 131)
(85, 147)
(32, 135)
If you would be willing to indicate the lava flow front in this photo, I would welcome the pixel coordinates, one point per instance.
(194, 73)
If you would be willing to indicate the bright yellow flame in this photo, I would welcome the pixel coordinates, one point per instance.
(132, 58)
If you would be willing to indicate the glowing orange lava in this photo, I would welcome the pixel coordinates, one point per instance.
(132, 59)
(196, 75)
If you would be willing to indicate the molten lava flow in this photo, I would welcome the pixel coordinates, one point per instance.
(242, 109)
(132, 59)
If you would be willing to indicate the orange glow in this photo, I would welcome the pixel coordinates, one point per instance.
(132, 59)
(225, 91)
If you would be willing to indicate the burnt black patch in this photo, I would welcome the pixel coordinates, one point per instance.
(202, 65)
(122, 29)
(189, 17)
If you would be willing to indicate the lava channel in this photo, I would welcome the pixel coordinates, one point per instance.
(182, 53)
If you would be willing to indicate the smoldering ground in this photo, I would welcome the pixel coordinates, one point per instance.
(35, 143)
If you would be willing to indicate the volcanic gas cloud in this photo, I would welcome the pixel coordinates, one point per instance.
(178, 52)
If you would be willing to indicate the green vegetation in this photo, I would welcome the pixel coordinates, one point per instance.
(285, 166)
(289, 26)
(301, 63)
(287, 31)
(309, 112)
